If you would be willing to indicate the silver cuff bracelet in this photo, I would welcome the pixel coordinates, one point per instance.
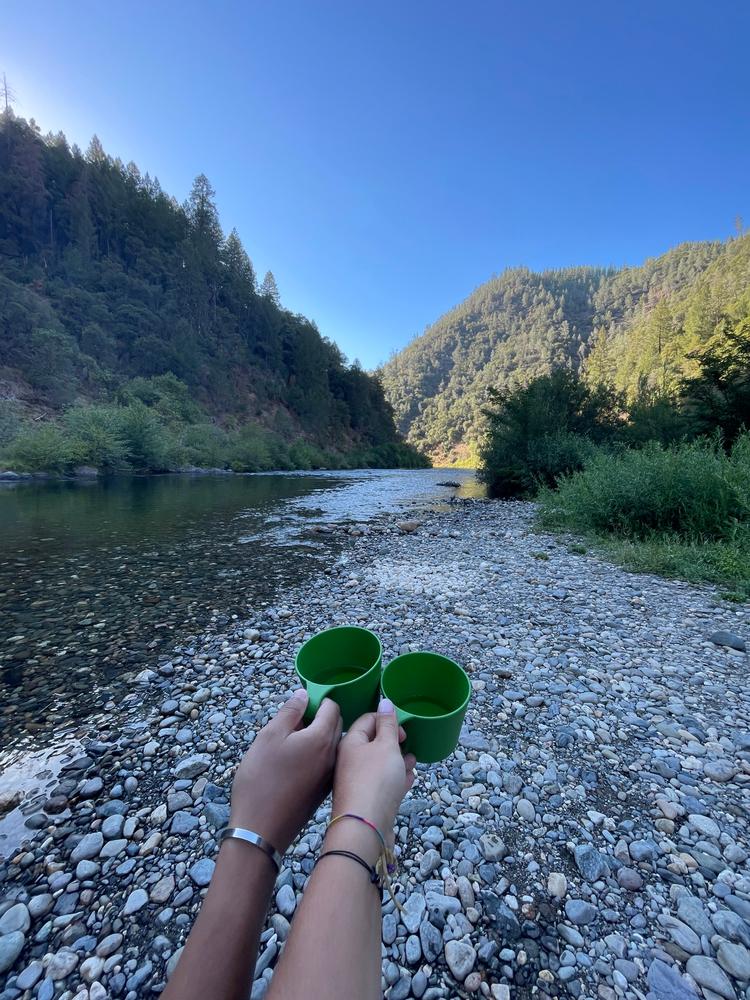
(237, 833)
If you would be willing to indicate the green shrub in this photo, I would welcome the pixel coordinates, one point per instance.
(682, 511)
(653, 416)
(205, 446)
(542, 430)
(53, 358)
(517, 467)
(694, 491)
(304, 455)
(149, 446)
(249, 451)
(95, 436)
(167, 395)
(40, 449)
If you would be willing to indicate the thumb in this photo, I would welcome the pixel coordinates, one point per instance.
(386, 723)
(290, 714)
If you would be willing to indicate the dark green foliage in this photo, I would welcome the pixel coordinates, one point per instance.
(41, 448)
(96, 437)
(717, 397)
(110, 291)
(148, 444)
(539, 431)
(204, 446)
(654, 416)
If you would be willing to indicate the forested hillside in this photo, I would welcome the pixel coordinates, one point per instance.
(633, 327)
(111, 293)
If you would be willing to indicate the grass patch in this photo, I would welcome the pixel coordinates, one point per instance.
(721, 563)
(679, 512)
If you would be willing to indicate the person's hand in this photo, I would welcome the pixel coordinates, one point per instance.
(372, 776)
(286, 773)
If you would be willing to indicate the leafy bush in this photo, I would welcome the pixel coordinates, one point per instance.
(304, 455)
(693, 491)
(249, 451)
(205, 446)
(654, 416)
(149, 447)
(167, 395)
(542, 430)
(717, 398)
(95, 436)
(43, 448)
(516, 466)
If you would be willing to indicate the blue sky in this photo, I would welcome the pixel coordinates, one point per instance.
(383, 159)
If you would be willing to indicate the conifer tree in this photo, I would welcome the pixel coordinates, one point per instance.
(269, 289)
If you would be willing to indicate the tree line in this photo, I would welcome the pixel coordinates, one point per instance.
(106, 280)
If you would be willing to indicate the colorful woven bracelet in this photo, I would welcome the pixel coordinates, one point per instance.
(361, 819)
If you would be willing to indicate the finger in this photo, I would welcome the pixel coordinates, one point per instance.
(339, 730)
(410, 761)
(327, 718)
(401, 734)
(290, 714)
(363, 730)
(386, 722)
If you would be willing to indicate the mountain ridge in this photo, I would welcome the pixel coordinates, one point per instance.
(523, 323)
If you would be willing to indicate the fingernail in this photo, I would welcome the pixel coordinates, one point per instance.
(386, 706)
(300, 693)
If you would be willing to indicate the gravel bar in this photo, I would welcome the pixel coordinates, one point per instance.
(589, 837)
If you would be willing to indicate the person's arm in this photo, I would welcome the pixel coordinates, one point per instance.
(333, 948)
(282, 779)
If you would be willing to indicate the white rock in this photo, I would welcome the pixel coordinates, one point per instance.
(557, 885)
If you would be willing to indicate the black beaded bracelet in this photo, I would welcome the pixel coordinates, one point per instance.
(374, 877)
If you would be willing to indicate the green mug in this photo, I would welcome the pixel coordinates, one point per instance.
(430, 693)
(343, 664)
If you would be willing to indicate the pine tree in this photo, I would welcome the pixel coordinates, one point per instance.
(203, 216)
(599, 367)
(269, 289)
(95, 153)
(237, 262)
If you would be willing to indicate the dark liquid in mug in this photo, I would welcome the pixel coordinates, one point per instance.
(339, 675)
(423, 706)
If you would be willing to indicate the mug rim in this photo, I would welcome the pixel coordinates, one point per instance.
(439, 656)
(340, 628)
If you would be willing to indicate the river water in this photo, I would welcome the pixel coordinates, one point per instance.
(101, 579)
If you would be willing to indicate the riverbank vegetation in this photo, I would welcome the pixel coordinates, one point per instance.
(661, 479)
(135, 334)
(155, 426)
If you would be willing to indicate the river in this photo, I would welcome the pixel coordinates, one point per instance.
(101, 579)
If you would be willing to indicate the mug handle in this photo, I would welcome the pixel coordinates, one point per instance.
(404, 717)
(315, 694)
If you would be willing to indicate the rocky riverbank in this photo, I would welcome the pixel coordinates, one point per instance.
(589, 838)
